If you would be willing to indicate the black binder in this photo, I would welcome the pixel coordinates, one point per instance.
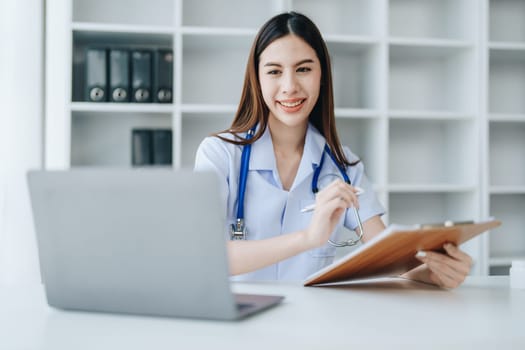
(118, 75)
(162, 146)
(96, 75)
(141, 147)
(163, 76)
(141, 76)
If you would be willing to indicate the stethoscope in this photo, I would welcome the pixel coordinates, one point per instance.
(238, 229)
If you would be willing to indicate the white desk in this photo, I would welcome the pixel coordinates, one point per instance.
(482, 314)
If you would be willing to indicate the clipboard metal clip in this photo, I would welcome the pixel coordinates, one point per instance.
(447, 223)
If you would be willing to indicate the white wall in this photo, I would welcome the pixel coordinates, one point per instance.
(21, 122)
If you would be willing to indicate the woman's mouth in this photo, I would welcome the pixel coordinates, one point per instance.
(291, 106)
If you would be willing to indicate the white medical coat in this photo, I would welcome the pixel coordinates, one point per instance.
(269, 210)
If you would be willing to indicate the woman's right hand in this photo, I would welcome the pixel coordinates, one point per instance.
(330, 203)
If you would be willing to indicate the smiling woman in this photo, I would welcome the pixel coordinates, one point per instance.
(282, 131)
(283, 138)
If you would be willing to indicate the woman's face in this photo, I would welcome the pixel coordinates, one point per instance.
(290, 78)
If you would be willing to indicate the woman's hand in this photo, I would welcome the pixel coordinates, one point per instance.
(330, 204)
(446, 270)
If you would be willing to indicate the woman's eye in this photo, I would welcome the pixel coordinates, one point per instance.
(303, 69)
(273, 72)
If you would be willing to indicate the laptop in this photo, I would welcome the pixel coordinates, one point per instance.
(137, 241)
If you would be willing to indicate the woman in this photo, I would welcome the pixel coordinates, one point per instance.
(286, 124)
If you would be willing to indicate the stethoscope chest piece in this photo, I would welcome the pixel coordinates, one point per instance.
(238, 230)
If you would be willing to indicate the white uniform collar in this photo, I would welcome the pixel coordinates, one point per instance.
(263, 158)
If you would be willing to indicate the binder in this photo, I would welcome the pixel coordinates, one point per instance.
(163, 76)
(141, 147)
(118, 75)
(162, 146)
(141, 76)
(96, 75)
(393, 251)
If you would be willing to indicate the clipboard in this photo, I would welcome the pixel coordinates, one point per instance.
(393, 251)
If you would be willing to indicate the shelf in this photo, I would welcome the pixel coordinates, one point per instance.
(209, 108)
(107, 36)
(508, 239)
(351, 39)
(87, 29)
(428, 49)
(428, 115)
(507, 117)
(432, 46)
(429, 188)
(507, 189)
(509, 46)
(433, 152)
(219, 31)
(356, 113)
(432, 78)
(505, 260)
(119, 12)
(507, 153)
(236, 13)
(346, 17)
(506, 20)
(443, 19)
(108, 107)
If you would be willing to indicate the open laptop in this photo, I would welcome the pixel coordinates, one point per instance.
(139, 241)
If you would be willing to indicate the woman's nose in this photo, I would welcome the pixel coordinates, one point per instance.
(289, 83)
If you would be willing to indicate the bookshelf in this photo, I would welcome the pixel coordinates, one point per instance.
(504, 108)
(428, 93)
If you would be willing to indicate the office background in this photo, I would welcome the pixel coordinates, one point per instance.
(428, 93)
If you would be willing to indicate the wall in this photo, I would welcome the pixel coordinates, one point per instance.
(21, 123)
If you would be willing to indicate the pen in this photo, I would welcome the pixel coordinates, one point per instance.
(311, 207)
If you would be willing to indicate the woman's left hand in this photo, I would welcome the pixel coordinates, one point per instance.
(447, 269)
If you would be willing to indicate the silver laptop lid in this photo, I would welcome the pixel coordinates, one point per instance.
(133, 241)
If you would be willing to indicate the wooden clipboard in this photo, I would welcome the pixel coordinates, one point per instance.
(393, 251)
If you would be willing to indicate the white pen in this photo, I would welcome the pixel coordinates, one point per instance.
(311, 207)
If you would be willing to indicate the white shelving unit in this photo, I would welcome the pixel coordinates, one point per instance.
(504, 54)
(428, 93)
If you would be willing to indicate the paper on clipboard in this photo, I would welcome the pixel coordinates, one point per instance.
(393, 251)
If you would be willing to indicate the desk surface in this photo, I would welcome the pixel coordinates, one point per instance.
(482, 313)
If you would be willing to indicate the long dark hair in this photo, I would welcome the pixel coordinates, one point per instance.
(252, 109)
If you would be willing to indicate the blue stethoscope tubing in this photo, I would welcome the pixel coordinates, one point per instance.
(238, 229)
(245, 162)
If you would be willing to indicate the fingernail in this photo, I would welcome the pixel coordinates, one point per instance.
(421, 254)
